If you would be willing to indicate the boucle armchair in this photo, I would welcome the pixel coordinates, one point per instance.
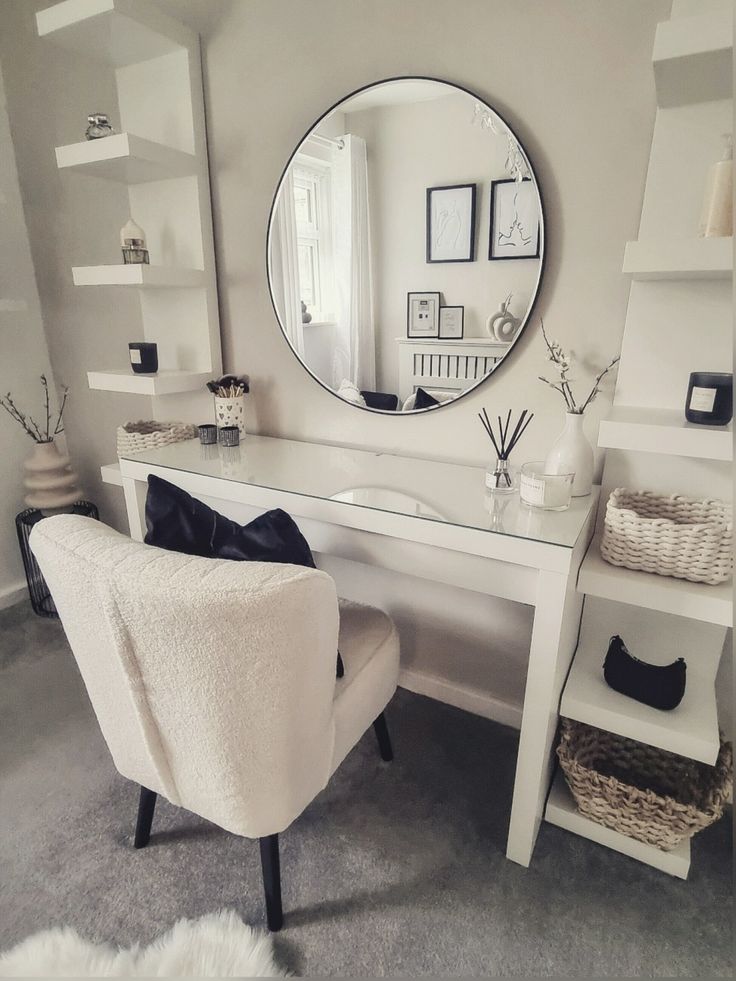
(213, 681)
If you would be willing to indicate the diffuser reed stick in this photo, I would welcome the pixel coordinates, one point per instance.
(501, 478)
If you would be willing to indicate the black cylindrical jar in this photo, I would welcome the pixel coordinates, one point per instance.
(710, 398)
(143, 357)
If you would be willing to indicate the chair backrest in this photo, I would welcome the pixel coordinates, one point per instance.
(212, 680)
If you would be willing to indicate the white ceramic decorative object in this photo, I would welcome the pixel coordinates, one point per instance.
(230, 412)
(50, 482)
(503, 325)
(572, 452)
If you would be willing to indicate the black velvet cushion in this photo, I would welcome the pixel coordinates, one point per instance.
(424, 400)
(180, 523)
(381, 400)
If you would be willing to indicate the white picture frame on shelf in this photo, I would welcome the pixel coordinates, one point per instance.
(422, 315)
(452, 320)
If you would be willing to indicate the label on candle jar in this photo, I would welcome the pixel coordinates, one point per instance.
(702, 399)
(135, 356)
(532, 491)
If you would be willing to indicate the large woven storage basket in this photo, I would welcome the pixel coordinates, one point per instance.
(135, 437)
(671, 536)
(641, 791)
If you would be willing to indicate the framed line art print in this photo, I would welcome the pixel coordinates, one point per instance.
(514, 226)
(451, 223)
(422, 314)
(451, 323)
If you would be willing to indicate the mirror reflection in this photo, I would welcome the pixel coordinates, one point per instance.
(405, 245)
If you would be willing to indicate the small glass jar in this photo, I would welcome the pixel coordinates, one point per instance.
(207, 433)
(501, 478)
(548, 491)
(229, 436)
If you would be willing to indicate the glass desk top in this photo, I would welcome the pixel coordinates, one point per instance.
(424, 489)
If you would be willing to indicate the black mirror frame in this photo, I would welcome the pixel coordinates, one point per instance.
(542, 244)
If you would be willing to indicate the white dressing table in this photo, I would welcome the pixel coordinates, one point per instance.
(418, 517)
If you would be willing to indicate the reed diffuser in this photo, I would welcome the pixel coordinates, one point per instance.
(502, 478)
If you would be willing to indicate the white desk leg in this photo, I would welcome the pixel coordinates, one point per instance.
(554, 639)
(135, 505)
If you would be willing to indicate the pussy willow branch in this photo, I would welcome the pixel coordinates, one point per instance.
(564, 383)
(594, 391)
(48, 404)
(15, 413)
(59, 428)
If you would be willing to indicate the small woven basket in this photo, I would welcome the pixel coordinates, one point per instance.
(135, 437)
(670, 536)
(641, 791)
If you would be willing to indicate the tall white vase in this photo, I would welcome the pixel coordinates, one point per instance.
(50, 482)
(572, 453)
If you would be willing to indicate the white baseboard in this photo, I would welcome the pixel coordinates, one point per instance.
(470, 699)
(15, 593)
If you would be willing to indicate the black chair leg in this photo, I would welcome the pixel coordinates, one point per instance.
(271, 868)
(384, 740)
(146, 806)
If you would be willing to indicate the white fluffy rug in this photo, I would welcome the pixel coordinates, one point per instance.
(219, 945)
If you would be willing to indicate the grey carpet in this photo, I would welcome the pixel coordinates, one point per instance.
(394, 870)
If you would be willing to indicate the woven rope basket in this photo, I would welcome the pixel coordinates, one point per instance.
(641, 791)
(135, 437)
(669, 536)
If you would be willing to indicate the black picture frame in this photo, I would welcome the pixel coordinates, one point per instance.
(468, 253)
(497, 190)
(452, 337)
(434, 328)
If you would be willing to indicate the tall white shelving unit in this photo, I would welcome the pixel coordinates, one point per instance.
(679, 320)
(161, 157)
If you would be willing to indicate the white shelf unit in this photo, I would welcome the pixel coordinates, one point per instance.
(679, 312)
(142, 275)
(650, 430)
(689, 730)
(662, 594)
(162, 383)
(110, 473)
(126, 159)
(562, 811)
(160, 158)
(693, 59)
(696, 258)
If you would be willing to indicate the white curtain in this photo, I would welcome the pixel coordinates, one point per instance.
(352, 250)
(285, 265)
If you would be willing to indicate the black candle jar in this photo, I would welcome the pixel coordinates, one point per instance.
(143, 357)
(710, 398)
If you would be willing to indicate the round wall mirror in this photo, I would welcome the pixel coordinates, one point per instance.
(406, 245)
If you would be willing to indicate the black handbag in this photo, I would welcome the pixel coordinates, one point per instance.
(661, 686)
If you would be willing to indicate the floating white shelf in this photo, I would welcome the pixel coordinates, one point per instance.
(126, 158)
(696, 600)
(138, 274)
(562, 812)
(119, 32)
(691, 729)
(664, 431)
(693, 59)
(696, 258)
(162, 383)
(110, 473)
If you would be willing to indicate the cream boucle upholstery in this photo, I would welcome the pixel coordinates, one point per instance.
(214, 681)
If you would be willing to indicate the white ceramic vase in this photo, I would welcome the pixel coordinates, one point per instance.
(50, 482)
(572, 453)
(230, 412)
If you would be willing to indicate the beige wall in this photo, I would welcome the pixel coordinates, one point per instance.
(573, 77)
(574, 80)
